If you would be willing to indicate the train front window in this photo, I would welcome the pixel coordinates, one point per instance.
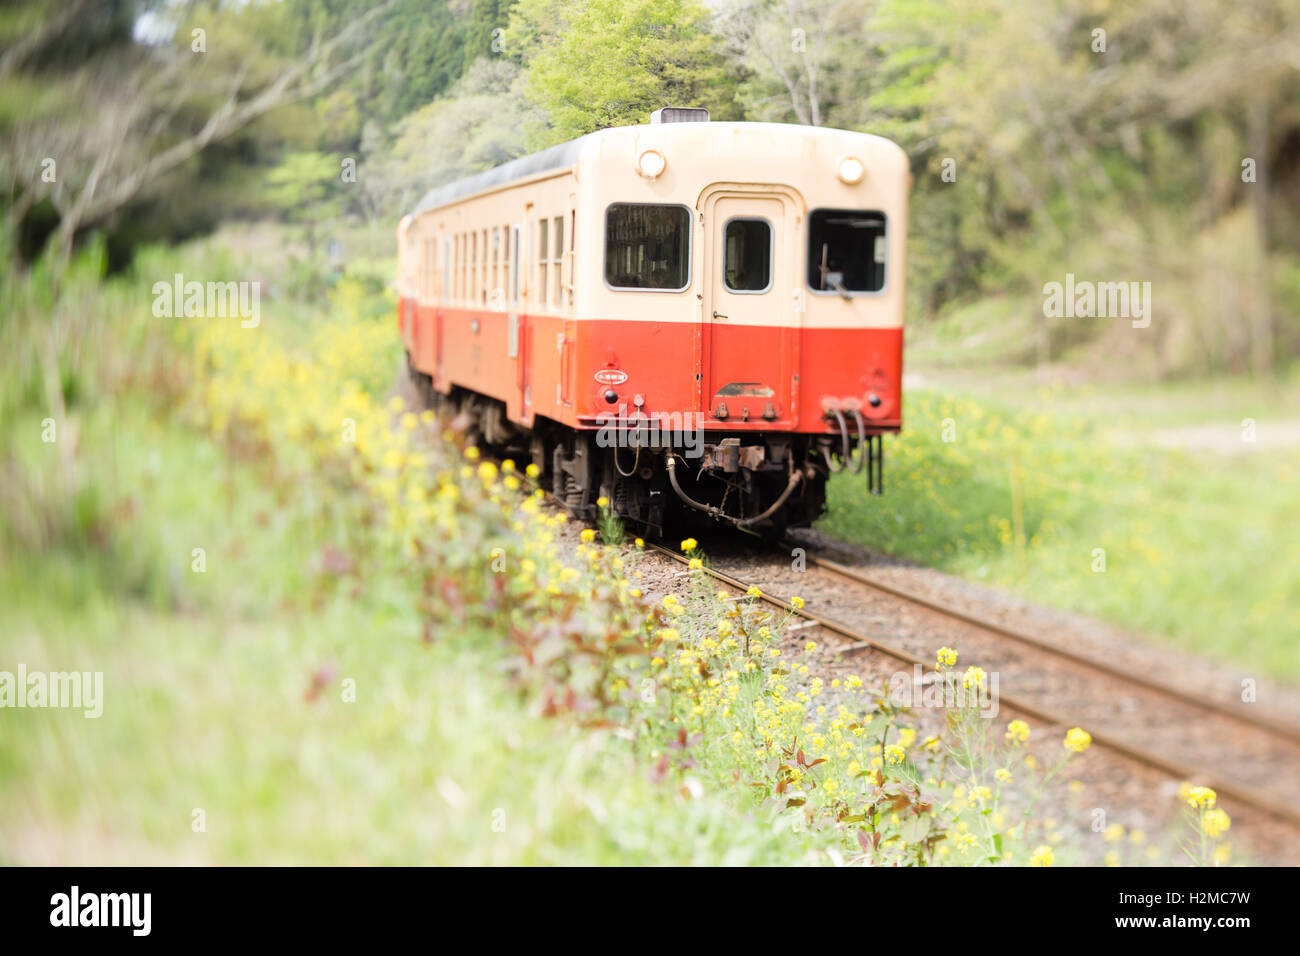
(846, 251)
(647, 246)
(748, 259)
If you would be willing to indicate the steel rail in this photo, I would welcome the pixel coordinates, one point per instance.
(1268, 803)
(1149, 683)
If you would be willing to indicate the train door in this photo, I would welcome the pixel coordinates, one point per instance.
(750, 317)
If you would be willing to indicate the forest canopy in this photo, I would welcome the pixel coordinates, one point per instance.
(1156, 140)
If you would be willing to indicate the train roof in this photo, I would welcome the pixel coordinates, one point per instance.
(567, 154)
(554, 157)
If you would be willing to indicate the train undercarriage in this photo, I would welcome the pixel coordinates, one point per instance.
(664, 483)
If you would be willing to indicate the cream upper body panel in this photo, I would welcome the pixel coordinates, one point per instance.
(703, 160)
(797, 165)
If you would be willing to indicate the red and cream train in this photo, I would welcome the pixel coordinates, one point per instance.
(683, 317)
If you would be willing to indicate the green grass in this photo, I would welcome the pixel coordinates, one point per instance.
(442, 755)
(1200, 548)
(346, 681)
(1129, 410)
(438, 760)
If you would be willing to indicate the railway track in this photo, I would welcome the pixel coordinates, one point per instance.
(1271, 802)
(1160, 687)
(1043, 708)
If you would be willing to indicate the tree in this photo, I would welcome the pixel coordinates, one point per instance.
(119, 114)
(619, 60)
(792, 51)
(484, 121)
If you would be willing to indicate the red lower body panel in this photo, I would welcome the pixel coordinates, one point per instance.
(763, 378)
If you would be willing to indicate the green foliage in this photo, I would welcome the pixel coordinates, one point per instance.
(422, 52)
(1099, 153)
(532, 711)
(1036, 152)
(303, 186)
(482, 123)
(620, 60)
(1198, 544)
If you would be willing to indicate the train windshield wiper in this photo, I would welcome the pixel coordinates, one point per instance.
(837, 284)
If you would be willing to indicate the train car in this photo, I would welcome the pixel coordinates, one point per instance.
(683, 317)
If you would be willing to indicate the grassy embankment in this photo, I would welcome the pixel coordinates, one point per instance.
(1199, 541)
(327, 635)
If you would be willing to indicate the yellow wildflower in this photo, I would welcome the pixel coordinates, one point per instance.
(1017, 731)
(1078, 740)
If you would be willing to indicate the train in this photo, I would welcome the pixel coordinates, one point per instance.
(682, 321)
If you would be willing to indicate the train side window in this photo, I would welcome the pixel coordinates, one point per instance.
(495, 284)
(557, 261)
(423, 284)
(504, 288)
(419, 268)
(446, 269)
(541, 261)
(422, 253)
(514, 264)
(846, 251)
(433, 267)
(483, 273)
(647, 246)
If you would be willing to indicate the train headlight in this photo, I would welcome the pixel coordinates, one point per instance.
(651, 163)
(851, 170)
